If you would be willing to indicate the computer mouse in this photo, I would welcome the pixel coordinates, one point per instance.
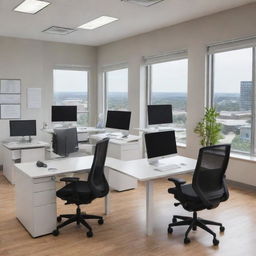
(41, 164)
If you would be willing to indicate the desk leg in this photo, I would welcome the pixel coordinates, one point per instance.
(149, 207)
(107, 197)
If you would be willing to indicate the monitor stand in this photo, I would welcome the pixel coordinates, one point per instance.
(24, 140)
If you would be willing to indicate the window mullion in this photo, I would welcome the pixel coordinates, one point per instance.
(253, 101)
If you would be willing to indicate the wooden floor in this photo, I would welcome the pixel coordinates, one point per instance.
(124, 230)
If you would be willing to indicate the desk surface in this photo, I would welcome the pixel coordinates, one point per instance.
(116, 139)
(79, 130)
(138, 169)
(13, 145)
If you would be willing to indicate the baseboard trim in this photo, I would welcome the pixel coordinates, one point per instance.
(240, 185)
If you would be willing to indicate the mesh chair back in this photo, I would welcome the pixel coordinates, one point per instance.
(65, 141)
(97, 180)
(208, 179)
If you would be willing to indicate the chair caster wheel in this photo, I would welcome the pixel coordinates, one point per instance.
(186, 240)
(174, 220)
(215, 241)
(194, 228)
(56, 232)
(59, 219)
(89, 234)
(222, 229)
(170, 230)
(100, 221)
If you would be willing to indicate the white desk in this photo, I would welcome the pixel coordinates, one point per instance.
(15, 152)
(36, 192)
(124, 149)
(82, 132)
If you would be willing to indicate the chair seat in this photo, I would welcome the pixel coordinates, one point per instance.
(76, 192)
(191, 201)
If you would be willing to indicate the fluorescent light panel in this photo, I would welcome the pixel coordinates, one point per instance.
(31, 6)
(99, 22)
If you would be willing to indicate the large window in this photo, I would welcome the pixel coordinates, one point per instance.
(70, 87)
(116, 84)
(232, 90)
(167, 84)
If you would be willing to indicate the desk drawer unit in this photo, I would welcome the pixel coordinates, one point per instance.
(127, 151)
(36, 204)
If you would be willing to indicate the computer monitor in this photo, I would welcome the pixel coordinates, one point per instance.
(118, 120)
(159, 145)
(159, 114)
(64, 113)
(22, 128)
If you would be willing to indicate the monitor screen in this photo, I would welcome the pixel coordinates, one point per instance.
(22, 128)
(160, 144)
(118, 120)
(159, 114)
(64, 113)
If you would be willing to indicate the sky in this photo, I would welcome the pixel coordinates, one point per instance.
(231, 68)
(70, 80)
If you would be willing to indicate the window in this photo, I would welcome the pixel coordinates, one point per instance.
(116, 85)
(70, 87)
(167, 84)
(232, 89)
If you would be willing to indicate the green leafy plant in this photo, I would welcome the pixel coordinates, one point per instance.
(208, 129)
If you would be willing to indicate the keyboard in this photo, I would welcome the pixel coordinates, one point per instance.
(165, 168)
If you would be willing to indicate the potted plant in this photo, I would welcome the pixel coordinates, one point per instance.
(208, 129)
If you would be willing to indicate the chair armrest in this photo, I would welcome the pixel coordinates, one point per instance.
(70, 179)
(177, 182)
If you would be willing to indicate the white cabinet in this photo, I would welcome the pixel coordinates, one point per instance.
(36, 204)
(123, 150)
(15, 152)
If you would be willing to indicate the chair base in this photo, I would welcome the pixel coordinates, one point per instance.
(193, 223)
(79, 218)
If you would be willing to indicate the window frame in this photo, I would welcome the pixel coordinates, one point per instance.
(226, 47)
(110, 68)
(157, 59)
(86, 69)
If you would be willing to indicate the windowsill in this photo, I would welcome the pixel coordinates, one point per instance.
(242, 157)
(181, 145)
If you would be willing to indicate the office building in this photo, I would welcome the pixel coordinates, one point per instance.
(246, 95)
(123, 55)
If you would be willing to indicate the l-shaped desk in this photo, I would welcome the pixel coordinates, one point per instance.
(36, 189)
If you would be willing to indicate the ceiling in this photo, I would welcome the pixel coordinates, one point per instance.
(133, 19)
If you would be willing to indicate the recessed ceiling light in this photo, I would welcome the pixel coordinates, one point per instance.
(31, 6)
(58, 30)
(101, 21)
(145, 3)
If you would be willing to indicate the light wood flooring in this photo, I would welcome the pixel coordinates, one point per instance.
(124, 230)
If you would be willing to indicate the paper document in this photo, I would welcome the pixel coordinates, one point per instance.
(34, 97)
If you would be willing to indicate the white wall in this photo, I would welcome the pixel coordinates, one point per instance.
(33, 62)
(193, 36)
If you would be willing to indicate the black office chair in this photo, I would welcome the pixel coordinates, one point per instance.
(65, 141)
(84, 192)
(207, 190)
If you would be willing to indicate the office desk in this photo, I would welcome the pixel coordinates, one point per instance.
(36, 192)
(82, 132)
(124, 149)
(15, 152)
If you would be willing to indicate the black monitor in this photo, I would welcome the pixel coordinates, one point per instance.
(64, 113)
(118, 120)
(160, 144)
(159, 114)
(22, 127)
